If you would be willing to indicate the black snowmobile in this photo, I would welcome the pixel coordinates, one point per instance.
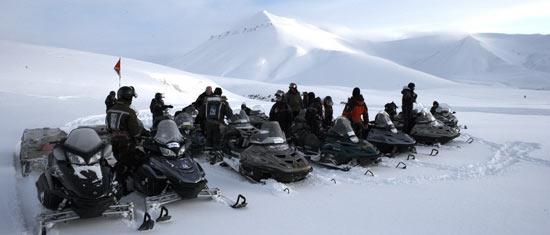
(191, 132)
(79, 181)
(386, 137)
(267, 156)
(342, 146)
(170, 174)
(427, 129)
(446, 115)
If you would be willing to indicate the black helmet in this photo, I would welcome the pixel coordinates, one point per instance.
(292, 85)
(279, 95)
(159, 96)
(328, 101)
(112, 93)
(218, 91)
(126, 93)
(356, 92)
(435, 103)
(411, 86)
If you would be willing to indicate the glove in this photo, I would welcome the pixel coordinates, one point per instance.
(169, 106)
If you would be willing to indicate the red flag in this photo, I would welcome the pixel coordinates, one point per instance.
(117, 67)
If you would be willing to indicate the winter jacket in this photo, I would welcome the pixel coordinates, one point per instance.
(282, 113)
(214, 109)
(356, 110)
(313, 117)
(123, 120)
(328, 116)
(200, 100)
(294, 100)
(157, 107)
(409, 97)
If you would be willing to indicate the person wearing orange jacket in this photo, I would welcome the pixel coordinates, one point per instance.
(357, 112)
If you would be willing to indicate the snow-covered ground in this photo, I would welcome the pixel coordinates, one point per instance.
(499, 184)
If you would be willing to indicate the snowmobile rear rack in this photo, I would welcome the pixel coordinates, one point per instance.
(35, 146)
(411, 156)
(47, 220)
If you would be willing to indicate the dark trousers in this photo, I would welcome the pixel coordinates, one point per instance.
(408, 121)
(213, 134)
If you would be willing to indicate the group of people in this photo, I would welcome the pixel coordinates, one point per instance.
(213, 108)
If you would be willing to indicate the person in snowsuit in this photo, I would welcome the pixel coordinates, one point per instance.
(157, 108)
(314, 114)
(391, 110)
(110, 100)
(435, 105)
(211, 118)
(293, 99)
(305, 101)
(282, 112)
(328, 112)
(125, 129)
(409, 97)
(357, 112)
(247, 110)
(200, 100)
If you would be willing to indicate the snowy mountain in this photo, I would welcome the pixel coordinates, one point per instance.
(515, 60)
(267, 47)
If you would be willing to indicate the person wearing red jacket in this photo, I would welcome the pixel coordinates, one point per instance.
(357, 112)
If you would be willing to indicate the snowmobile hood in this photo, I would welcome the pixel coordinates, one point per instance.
(276, 158)
(178, 170)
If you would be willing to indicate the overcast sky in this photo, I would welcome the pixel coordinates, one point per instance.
(160, 30)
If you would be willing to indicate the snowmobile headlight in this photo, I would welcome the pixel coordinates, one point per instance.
(354, 139)
(167, 152)
(75, 159)
(181, 151)
(95, 158)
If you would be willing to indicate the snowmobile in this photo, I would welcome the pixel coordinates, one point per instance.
(79, 181)
(191, 132)
(267, 155)
(342, 146)
(446, 115)
(170, 174)
(383, 134)
(427, 129)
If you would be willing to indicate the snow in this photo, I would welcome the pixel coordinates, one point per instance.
(278, 49)
(496, 185)
(513, 60)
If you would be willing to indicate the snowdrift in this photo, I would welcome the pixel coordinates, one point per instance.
(277, 49)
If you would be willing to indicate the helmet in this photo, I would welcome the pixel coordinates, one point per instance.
(126, 93)
(328, 101)
(356, 92)
(292, 85)
(279, 95)
(159, 96)
(218, 91)
(112, 93)
(411, 86)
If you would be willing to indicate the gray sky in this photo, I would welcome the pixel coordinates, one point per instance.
(161, 30)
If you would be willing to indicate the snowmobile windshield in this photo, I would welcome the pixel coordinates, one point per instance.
(342, 127)
(444, 108)
(270, 133)
(382, 120)
(240, 118)
(257, 110)
(184, 120)
(83, 141)
(426, 117)
(167, 131)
